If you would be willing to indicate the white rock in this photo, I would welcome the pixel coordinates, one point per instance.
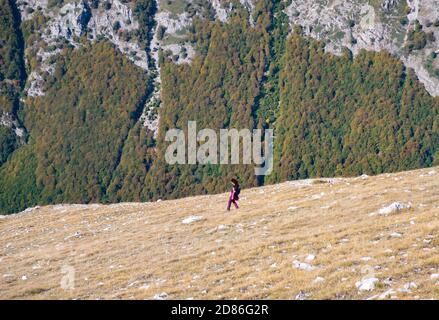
(319, 280)
(161, 296)
(310, 258)
(434, 276)
(302, 265)
(387, 294)
(393, 208)
(32, 209)
(367, 284)
(221, 227)
(396, 235)
(191, 219)
(302, 295)
(407, 287)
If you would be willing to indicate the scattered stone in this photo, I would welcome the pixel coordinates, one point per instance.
(319, 280)
(32, 209)
(302, 295)
(310, 257)
(77, 234)
(367, 284)
(161, 296)
(388, 294)
(396, 235)
(302, 265)
(408, 286)
(394, 208)
(191, 219)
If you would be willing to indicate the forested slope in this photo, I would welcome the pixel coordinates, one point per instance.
(345, 116)
(78, 129)
(12, 75)
(332, 115)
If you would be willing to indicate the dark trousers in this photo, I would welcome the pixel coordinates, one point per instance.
(232, 200)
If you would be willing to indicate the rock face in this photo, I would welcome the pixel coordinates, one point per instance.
(353, 24)
(70, 22)
(9, 121)
(110, 20)
(357, 25)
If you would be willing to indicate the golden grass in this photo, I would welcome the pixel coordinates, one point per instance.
(139, 250)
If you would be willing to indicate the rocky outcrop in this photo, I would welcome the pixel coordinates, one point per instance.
(353, 24)
(150, 116)
(223, 9)
(357, 25)
(388, 5)
(73, 20)
(9, 121)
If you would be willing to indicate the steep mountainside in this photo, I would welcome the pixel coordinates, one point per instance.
(88, 89)
(12, 75)
(342, 238)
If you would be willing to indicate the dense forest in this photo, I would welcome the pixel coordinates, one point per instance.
(12, 73)
(78, 129)
(345, 116)
(218, 90)
(332, 115)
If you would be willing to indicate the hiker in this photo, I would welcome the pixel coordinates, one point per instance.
(234, 194)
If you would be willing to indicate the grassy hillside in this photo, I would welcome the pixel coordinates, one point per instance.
(145, 250)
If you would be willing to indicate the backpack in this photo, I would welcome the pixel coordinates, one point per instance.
(237, 192)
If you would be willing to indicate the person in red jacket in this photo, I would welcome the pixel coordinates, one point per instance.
(234, 194)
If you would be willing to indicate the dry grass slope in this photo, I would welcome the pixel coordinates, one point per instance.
(143, 250)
